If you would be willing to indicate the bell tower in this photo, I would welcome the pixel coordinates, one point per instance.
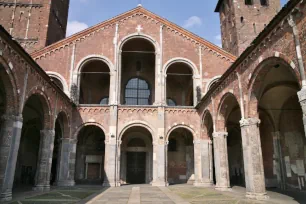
(242, 20)
(35, 23)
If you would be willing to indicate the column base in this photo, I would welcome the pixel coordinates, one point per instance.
(65, 183)
(223, 188)
(257, 196)
(6, 196)
(41, 188)
(109, 184)
(203, 184)
(160, 183)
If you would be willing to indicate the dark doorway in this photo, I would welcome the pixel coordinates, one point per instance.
(136, 167)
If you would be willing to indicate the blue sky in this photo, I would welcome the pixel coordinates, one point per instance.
(198, 16)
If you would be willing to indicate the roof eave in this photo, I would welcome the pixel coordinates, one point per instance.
(218, 5)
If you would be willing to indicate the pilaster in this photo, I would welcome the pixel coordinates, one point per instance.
(302, 99)
(253, 162)
(221, 161)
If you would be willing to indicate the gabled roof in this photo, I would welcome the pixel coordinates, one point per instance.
(138, 9)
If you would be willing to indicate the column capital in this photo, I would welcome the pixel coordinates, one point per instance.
(11, 118)
(249, 122)
(302, 95)
(220, 134)
(47, 133)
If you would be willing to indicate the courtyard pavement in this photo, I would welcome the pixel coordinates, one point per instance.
(146, 194)
(185, 194)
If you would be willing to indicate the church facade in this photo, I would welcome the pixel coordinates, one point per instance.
(138, 99)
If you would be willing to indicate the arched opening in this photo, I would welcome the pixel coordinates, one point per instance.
(180, 157)
(27, 160)
(180, 84)
(136, 160)
(207, 132)
(231, 113)
(61, 132)
(138, 72)
(94, 82)
(281, 130)
(90, 156)
(58, 82)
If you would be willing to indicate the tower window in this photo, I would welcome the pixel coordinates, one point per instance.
(264, 2)
(241, 19)
(248, 2)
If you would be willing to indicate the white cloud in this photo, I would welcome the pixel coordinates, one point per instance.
(75, 27)
(193, 21)
(217, 40)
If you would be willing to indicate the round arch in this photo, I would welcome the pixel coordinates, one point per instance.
(261, 70)
(193, 133)
(89, 58)
(137, 123)
(10, 84)
(76, 133)
(142, 36)
(211, 82)
(46, 105)
(61, 79)
(221, 111)
(184, 61)
(206, 114)
(65, 123)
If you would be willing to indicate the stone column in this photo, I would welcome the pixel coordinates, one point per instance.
(221, 161)
(10, 134)
(253, 162)
(190, 164)
(66, 163)
(44, 163)
(302, 99)
(159, 165)
(202, 160)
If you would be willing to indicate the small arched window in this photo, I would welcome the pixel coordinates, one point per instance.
(170, 102)
(248, 2)
(137, 92)
(104, 101)
(264, 2)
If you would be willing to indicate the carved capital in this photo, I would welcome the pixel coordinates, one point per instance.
(249, 122)
(12, 118)
(220, 134)
(47, 133)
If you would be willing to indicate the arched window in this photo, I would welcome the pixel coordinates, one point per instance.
(264, 2)
(137, 92)
(58, 82)
(104, 101)
(170, 102)
(248, 2)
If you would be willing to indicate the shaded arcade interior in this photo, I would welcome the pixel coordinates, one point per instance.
(180, 157)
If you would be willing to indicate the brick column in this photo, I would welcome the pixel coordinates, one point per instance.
(42, 177)
(66, 163)
(252, 156)
(10, 134)
(302, 99)
(221, 161)
(202, 161)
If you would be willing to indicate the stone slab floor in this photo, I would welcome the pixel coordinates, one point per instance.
(185, 194)
(146, 194)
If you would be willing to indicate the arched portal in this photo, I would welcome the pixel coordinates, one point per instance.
(281, 130)
(179, 85)
(231, 114)
(136, 157)
(61, 132)
(90, 156)
(207, 133)
(28, 154)
(180, 157)
(94, 82)
(137, 72)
